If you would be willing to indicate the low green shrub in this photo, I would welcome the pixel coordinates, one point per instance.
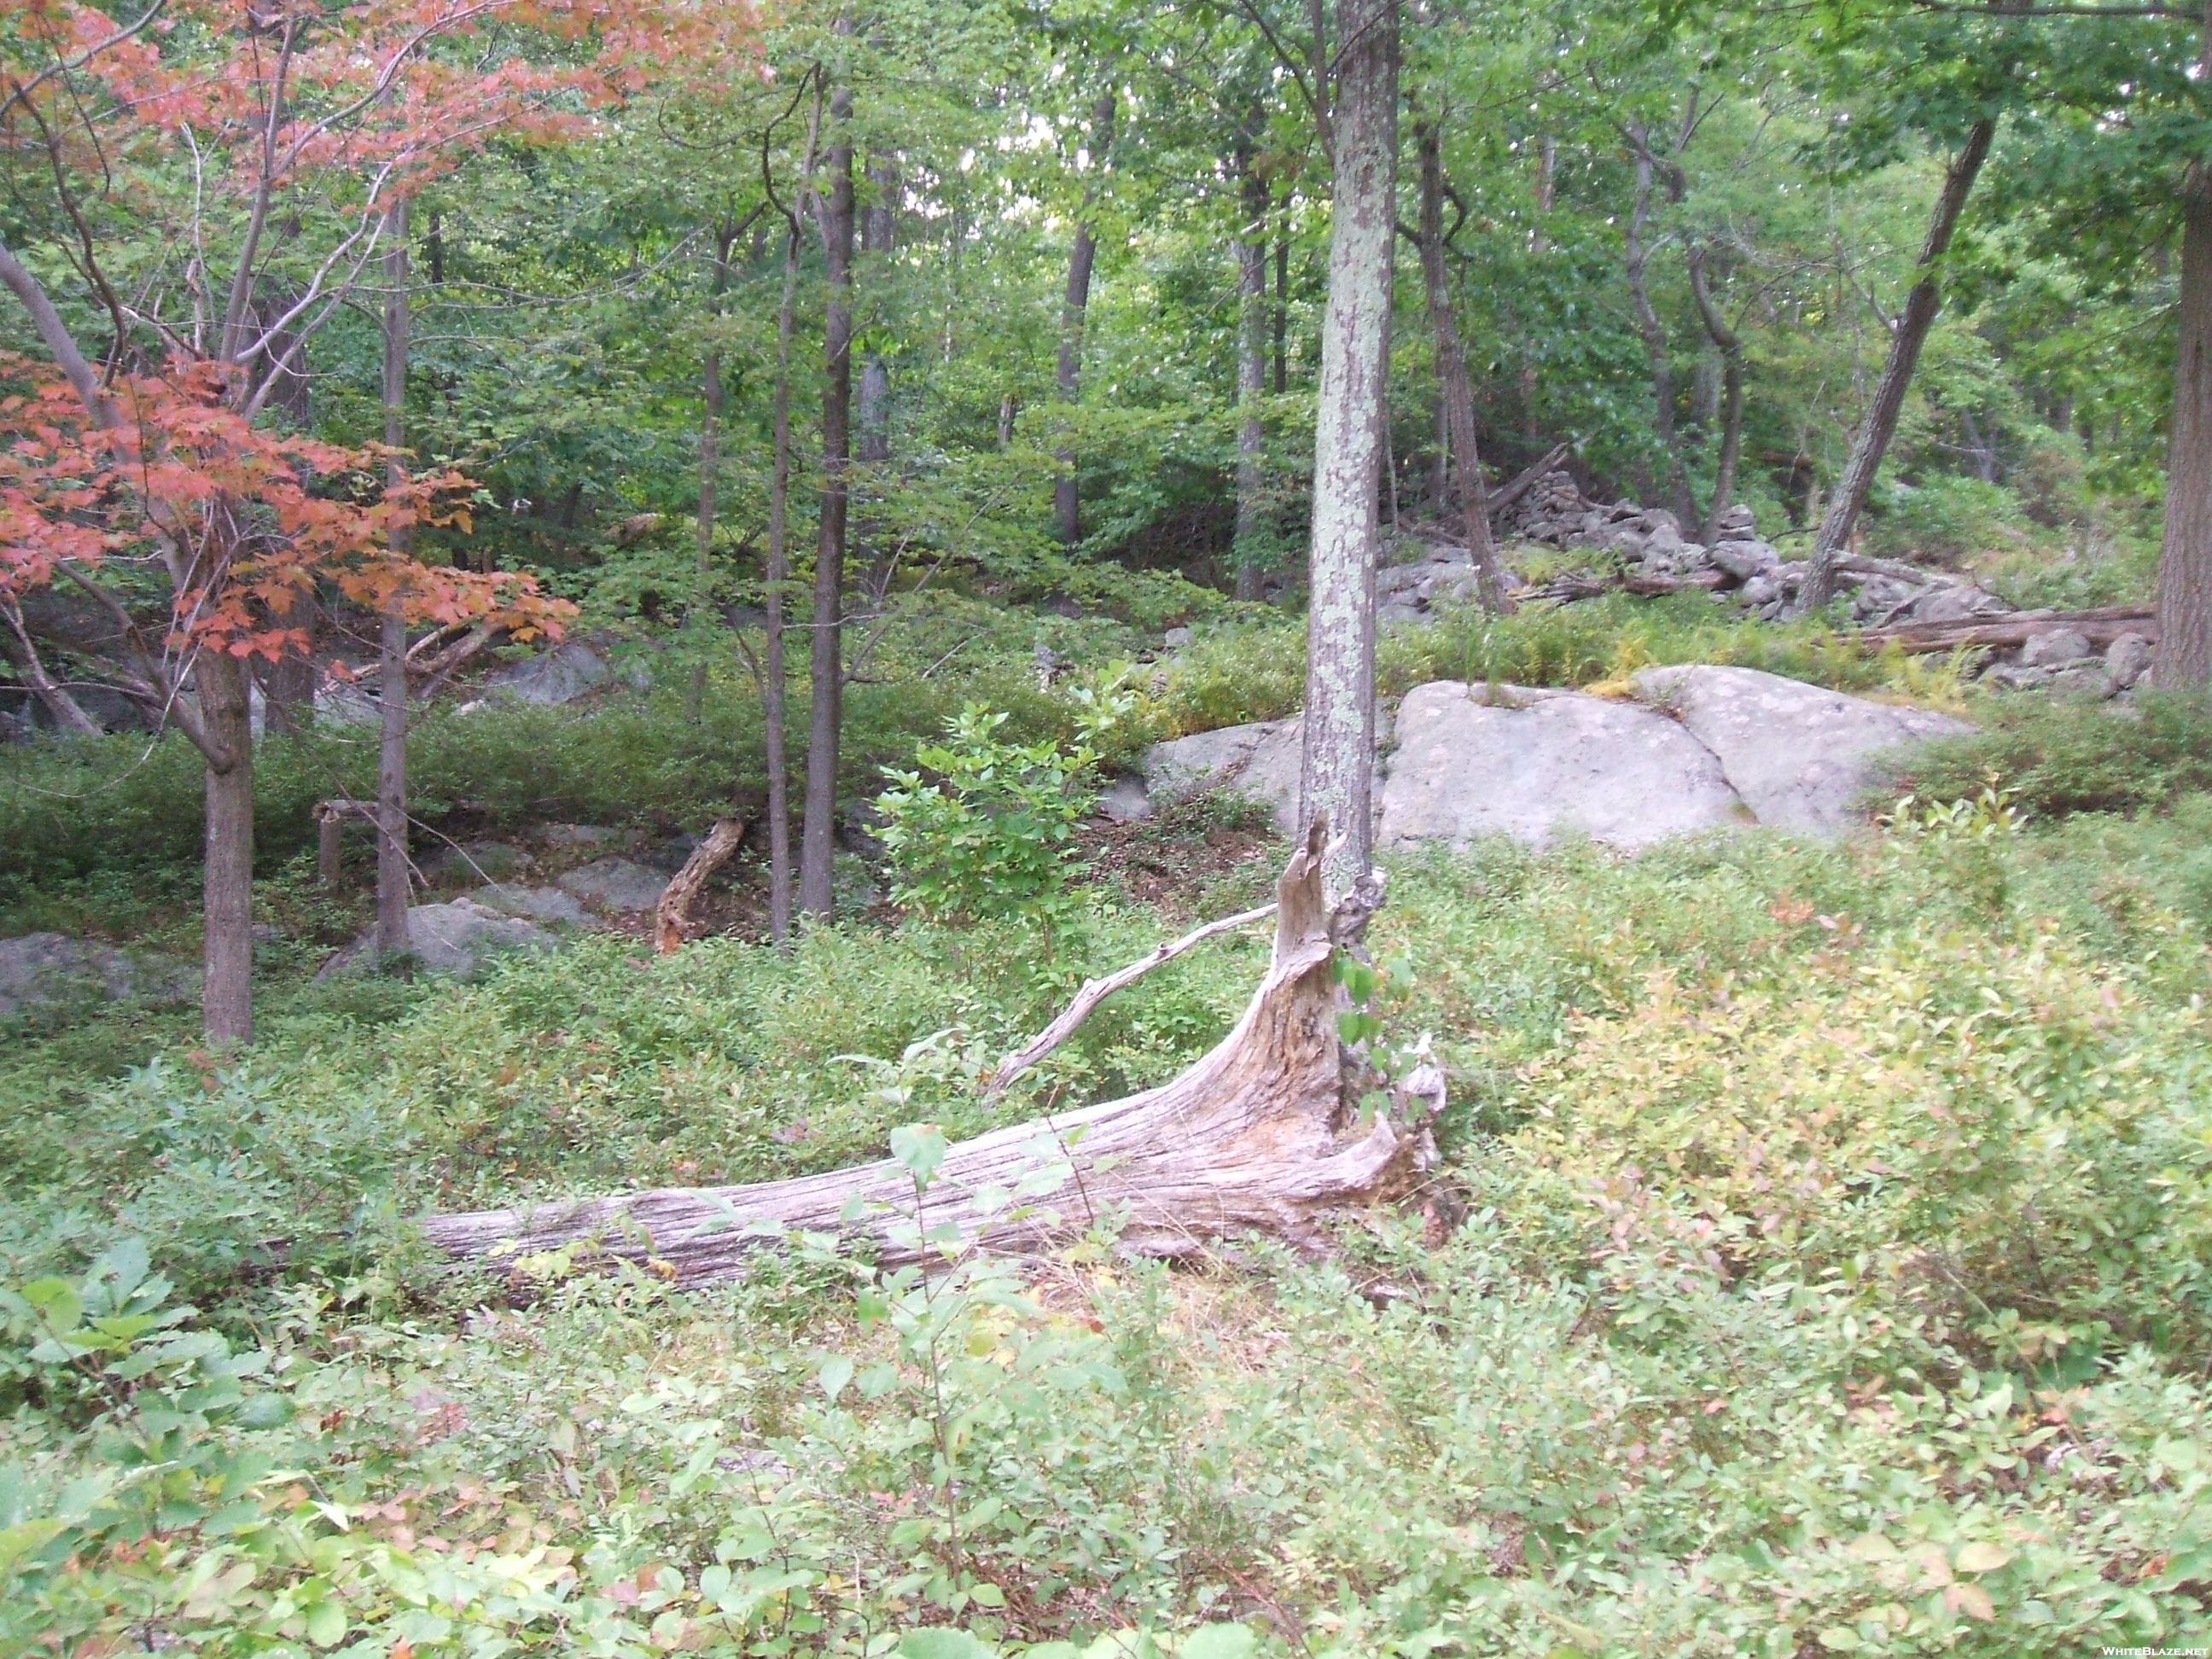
(2054, 755)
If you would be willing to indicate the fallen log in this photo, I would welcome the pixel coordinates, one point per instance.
(1257, 1136)
(2101, 628)
(1494, 508)
(671, 917)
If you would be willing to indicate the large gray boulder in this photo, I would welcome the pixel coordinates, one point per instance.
(561, 675)
(616, 884)
(534, 903)
(447, 939)
(1799, 756)
(1475, 760)
(44, 973)
(1259, 761)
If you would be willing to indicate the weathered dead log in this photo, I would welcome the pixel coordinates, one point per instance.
(2100, 627)
(1523, 481)
(1256, 1137)
(673, 914)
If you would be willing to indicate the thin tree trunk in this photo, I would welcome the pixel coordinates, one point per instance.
(878, 227)
(1251, 250)
(1730, 347)
(818, 831)
(710, 435)
(779, 577)
(288, 685)
(1540, 242)
(1067, 507)
(1337, 766)
(1283, 297)
(1455, 387)
(1874, 433)
(2184, 562)
(66, 713)
(227, 876)
(394, 882)
(1657, 350)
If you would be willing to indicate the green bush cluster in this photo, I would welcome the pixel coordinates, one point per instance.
(2060, 755)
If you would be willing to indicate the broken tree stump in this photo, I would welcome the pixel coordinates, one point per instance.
(1257, 1136)
(673, 916)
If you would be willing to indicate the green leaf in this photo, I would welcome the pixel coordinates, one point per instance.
(1219, 1641)
(836, 1371)
(919, 1148)
(942, 1644)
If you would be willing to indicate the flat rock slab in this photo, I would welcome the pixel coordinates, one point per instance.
(447, 939)
(1259, 761)
(45, 973)
(561, 675)
(1475, 760)
(616, 884)
(534, 903)
(1798, 755)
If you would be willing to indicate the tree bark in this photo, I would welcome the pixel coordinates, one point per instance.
(227, 876)
(66, 713)
(1282, 319)
(1251, 250)
(778, 581)
(2185, 562)
(1066, 506)
(826, 658)
(1874, 433)
(710, 439)
(878, 227)
(1336, 774)
(1657, 350)
(394, 885)
(1258, 1136)
(1730, 346)
(1455, 388)
(671, 917)
(1540, 242)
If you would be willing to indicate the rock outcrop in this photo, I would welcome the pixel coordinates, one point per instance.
(447, 939)
(43, 974)
(1696, 748)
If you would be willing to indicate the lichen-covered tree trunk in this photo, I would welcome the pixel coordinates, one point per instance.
(1257, 1137)
(393, 877)
(2184, 562)
(1874, 433)
(1337, 767)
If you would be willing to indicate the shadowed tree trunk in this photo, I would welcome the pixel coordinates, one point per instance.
(710, 443)
(1874, 433)
(826, 658)
(2184, 561)
(878, 227)
(1730, 347)
(1547, 153)
(1657, 350)
(1455, 389)
(778, 573)
(1066, 507)
(1261, 1135)
(393, 885)
(1282, 319)
(1251, 250)
(1336, 774)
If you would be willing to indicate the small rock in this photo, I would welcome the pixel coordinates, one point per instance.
(1956, 602)
(1760, 591)
(477, 860)
(1734, 524)
(616, 884)
(1125, 800)
(2083, 680)
(1175, 638)
(2060, 645)
(2013, 677)
(1745, 560)
(44, 973)
(586, 834)
(561, 675)
(2128, 659)
(536, 904)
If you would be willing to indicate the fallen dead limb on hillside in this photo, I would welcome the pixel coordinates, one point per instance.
(2100, 627)
(1504, 496)
(673, 916)
(1257, 1136)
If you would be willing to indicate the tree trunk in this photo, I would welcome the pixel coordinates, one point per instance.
(826, 674)
(1256, 1136)
(1251, 250)
(288, 686)
(779, 577)
(878, 227)
(226, 853)
(710, 443)
(1540, 242)
(1066, 507)
(2185, 562)
(1283, 297)
(1336, 773)
(1455, 388)
(66, 713)
(1730, 347)
(1657, 350)
(394, 885)
(671, 917)
(1874, 433)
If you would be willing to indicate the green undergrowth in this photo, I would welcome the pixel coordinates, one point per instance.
(1827, 1276)
(2060, 755)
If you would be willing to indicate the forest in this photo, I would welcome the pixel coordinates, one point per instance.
(1193, 830)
